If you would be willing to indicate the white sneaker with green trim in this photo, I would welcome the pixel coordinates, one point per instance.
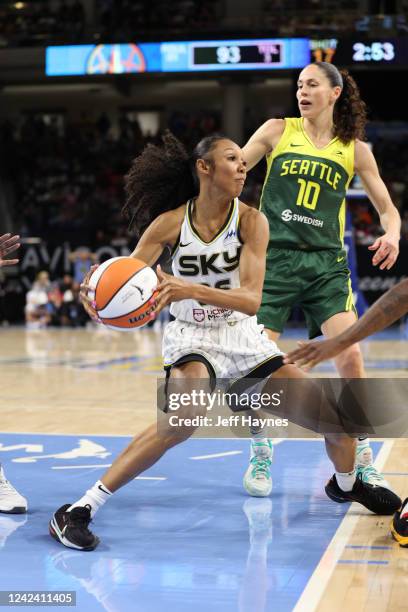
(257, 479)
(365, 467)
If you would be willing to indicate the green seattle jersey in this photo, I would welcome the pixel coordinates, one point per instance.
(304, 191)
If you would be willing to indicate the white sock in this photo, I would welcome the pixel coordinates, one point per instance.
(94, 498)
(346, 480)
(404, 511)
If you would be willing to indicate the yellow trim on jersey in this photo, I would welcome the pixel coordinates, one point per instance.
(350, 299)
(342, 210)
(342, 221)
(302, 127)
(224, 227)
(271, 156)
(294, 135)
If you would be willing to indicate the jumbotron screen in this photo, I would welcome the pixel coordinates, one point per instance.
(186, 56)
(219, 55)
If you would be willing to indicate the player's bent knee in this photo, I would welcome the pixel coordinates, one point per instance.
(351, 359)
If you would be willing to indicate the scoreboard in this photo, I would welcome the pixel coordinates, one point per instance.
(183, 56)
(222, 55)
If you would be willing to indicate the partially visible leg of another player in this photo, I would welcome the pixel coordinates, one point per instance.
(350, 364)
(346, 484)
(11, 502)
(70, 523)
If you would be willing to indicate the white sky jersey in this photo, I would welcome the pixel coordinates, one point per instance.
(214, 263)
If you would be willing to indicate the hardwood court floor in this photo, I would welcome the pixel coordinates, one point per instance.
(98, 382)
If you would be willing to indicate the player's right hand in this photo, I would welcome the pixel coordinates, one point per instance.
(309, 354)
(89, 303)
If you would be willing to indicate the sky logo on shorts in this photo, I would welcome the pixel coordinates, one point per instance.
(288, 215)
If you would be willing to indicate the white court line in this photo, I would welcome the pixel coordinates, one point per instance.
(150, 478)
(79, 435)
(228, 453)
(106, 465)
(215, 455)
(80, 467)
(317, 584)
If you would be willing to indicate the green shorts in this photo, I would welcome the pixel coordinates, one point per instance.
(316, 281)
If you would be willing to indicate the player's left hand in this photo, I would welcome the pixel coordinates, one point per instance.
(170, 289)
(387, 249)
(311, 353)
(8, 244)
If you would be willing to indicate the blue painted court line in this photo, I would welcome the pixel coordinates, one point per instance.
(395, 333)
(362, 562)
(358, 547)
(194, 541)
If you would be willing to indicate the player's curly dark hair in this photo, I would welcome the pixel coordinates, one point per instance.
(350, 111)
(162, 178)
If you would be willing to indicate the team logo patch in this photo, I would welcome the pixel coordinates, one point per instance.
(230, 237)
(198, 314)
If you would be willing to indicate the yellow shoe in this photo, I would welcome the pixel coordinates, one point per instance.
(399, 527)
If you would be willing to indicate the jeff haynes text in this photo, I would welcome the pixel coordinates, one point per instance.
(234, 420)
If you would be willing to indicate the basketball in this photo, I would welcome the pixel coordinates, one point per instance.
(122, 288)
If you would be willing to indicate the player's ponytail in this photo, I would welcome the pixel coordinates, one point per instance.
(350, 111)
(162, 178)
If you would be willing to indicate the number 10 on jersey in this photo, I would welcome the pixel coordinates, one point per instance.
(308, 194)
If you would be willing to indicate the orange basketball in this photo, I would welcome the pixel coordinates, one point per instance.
(122, 288)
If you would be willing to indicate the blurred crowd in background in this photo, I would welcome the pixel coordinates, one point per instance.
(35, 22)
(61, 180)
(67, 183)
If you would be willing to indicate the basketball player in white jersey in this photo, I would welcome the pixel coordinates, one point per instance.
(11, 502)
(218, 247)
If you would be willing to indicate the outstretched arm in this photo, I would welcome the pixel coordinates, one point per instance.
(263, 141)
(388, 309)
(386, 247)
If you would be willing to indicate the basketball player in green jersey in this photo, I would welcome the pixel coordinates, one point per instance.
(11, 502)
(310, 163)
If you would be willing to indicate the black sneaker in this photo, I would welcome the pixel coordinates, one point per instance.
(399, 528)
(377, 499)
(71, 528)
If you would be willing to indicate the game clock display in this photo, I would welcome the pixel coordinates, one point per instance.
(355, 52)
